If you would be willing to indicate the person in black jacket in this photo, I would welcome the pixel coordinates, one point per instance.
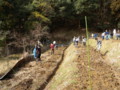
(38, 53)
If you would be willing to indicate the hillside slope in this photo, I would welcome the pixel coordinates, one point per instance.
(73, 74)
(32, 75)
(110, 51)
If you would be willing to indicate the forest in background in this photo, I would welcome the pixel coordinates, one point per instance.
(22, 23)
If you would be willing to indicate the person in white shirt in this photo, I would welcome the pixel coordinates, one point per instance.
(103, 35)
(54, 42)
(74, 40)
(92, 35)
(114, 33)
(84, 41)
(77, 40)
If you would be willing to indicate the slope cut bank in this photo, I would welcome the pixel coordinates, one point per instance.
(109, 51)
(73, 73)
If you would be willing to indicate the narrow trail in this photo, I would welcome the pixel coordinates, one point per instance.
(43, 86)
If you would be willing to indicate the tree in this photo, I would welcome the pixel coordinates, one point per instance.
(115, 7)
(14, 14)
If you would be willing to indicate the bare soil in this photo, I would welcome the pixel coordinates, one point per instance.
(99, 76)
(93, 75)
(33, 74)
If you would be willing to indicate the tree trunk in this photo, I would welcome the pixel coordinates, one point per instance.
(23, 46)
(79, 23)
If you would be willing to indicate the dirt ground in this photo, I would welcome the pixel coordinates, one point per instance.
(33, 75)
(109, 49)
(102, 75)
(76, 72)
(6, 63)
(99, 76)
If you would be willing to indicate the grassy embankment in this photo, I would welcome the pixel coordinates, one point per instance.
(110, 50)
(73, 73)
(8, 62)
(65, 75)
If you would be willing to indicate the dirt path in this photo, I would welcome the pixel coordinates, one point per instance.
(32, 75)
(73, 73)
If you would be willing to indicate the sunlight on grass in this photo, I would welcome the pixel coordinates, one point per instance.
(110, 49)
(7, 63)
(66, 75)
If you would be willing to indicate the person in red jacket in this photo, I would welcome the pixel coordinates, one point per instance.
(52, 48)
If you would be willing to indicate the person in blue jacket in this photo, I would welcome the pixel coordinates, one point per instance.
(34, 52)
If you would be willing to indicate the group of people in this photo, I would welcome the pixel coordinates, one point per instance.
(108, 34)
(77, 40)
(115, 34)
(111, 34)
(37, 50)
(83, 40)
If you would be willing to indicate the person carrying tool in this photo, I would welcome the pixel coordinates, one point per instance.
(52, 48)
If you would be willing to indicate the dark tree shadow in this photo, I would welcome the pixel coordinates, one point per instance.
(105, 53)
